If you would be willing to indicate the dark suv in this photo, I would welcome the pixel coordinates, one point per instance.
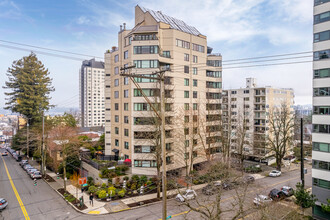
(276, 194)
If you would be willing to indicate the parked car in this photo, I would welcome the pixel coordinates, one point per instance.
(36, 175)
(26, 166)
(287, 190)
(248, 179)
(275, 173)
(4, 154)
(261, 200)
(3, 203)
(276, 194)
(228, 185)
(212, 188)
(186, 195)
(29, 171)
(23, 162)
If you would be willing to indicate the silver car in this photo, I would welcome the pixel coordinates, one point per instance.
(36, 175)
(3, 203)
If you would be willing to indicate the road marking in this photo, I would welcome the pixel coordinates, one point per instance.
(16, 193)
(122, 210)
(231, 197)
(94, 212)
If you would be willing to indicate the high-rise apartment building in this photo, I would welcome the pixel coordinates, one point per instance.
(91, 90)
(192, 84)
(246, 112)
(321, 107)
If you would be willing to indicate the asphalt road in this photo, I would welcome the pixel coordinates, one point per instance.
(41, 202)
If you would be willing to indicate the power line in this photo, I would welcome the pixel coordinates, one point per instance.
(55, 50)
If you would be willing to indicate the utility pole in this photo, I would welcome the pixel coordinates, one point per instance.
(160, 77)
(43, 159)
(302, 153)
(27, 138)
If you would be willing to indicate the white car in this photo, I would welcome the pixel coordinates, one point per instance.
(275, 173)
(186, 195)
(261, 200)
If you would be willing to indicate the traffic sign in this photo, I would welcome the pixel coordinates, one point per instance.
(82, 180)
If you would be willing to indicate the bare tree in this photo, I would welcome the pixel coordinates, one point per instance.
(280, 137)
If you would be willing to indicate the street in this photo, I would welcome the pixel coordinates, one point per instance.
(41, 202)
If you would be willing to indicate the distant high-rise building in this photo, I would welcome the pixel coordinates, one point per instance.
(321, 107)
(192, 84)
(250, 107)
(91, 81)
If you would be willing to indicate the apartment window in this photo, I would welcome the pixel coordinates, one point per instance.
(126, 132)
(212, 95)
(116, 70)
(182, 43)
(319, 128)
(321, 183)
(140, 37)
(147, 92)
(321, 110)
(324, 147)
(116, 94)
(321, 91)
(125, 106)
(146, 63)
(126, 80)
(186, 118)
(116, 106)
(216, 63)
(322, 36)
(116, 142)
(168, 146)
(125, 54)
(116, 58)
(144, 149)
(213, 85)
(195, 106)
(323, 17)
(126, 93)
(167, 54)
(323, 165)
(198, 48)
(195, 83)
(195, 94)
(233, 99)
(186, 94)
(246, 91)
(186, 57)
(186, 82)
(186, 106)
(153, 49)
(142, 80)
(126, 144)
(215, 74)
(324, 54)
(195, 59)
(318, 2)
(233, 92)
(322, 73)
(186, 69)
(126, 119)
(144, 106)
(116, 82)
(246, 99)
(195, 70)
(116, 130)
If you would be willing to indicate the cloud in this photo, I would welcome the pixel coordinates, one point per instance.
(83, 20)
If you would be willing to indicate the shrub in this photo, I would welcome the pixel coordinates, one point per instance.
(104, 186)
(90, 181)
(117, 181)
(154, 179)
(121, 193)
(126, 178)
(92, 189)
(143, 179)
(122, 168)
(112, 190)
(102, 194)
(133, 186)
(149, 183)
(135, 178)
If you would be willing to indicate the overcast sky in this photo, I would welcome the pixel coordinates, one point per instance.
(235, 28)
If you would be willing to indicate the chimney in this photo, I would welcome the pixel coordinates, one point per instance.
(114, 48)
(124, 26)
(121, 27)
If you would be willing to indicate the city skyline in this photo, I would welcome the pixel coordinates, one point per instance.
(258, 28)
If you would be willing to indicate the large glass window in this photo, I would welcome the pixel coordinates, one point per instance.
(322, 73)
(144, 80)
(318, 2)
(198, 48)
(214, 63)
(321, 110)
(324, 147)
(323, 17)
(146, 63)
(211, 95)
(215, 74)
(145, 37)
(213, 84)
(317, 128)
(144, 106)
(147, 92)
(319, 55)
(182, 43)
(153, 49)
(321, 91)
(322, 36)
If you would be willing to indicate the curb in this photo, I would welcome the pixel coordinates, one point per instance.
(75, 208)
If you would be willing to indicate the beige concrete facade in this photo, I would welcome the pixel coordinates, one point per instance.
(254, 104)
(151, 45)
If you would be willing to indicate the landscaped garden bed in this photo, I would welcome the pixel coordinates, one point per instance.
(49, 178)
(70, 198)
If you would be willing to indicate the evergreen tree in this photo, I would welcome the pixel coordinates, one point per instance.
(30, 86)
